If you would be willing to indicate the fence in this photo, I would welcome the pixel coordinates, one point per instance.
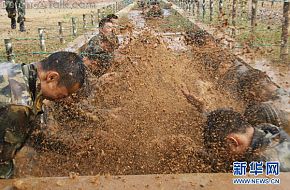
(252, 23)
(56, 35)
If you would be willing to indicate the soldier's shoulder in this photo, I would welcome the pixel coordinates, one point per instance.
(14, 88)
(95, 38)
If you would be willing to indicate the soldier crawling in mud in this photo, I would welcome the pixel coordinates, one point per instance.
(23, 87)
(99, 52)
(11, 6)
(230, 137)
(266, 101)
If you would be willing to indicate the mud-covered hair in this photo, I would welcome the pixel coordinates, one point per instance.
(69, 65)
(104, 21)
(112, 16)
(220, 123)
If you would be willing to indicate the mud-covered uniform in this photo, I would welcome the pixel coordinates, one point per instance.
(270, 143)
(101, 50)
(273, 112)
(11, 6)
(20, 103)
(154, 11)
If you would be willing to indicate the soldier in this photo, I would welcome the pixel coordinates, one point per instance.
(11, 6)
(229, 137)
(98, 54)
(23, 87)
(154, 10)
(252, 85)
(266, 101)
(114, 19)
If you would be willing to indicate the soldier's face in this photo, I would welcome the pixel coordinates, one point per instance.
(58, 92)
(51, 88)
(108, 29)
(115, 25)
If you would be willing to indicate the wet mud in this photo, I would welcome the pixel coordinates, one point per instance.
(135, 119)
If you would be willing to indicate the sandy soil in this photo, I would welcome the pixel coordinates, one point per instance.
(138, 122)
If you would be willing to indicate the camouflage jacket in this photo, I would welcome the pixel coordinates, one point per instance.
(100, 48)
(20, 103)
(271, 143)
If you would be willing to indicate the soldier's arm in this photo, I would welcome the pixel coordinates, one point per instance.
(17, 127)
(193, 100)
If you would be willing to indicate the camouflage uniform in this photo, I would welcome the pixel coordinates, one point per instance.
(270, 143)
(11, 9)
(271, 112)
(100, 49)
(20, 103)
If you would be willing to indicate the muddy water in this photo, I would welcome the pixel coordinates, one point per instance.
(134, 120)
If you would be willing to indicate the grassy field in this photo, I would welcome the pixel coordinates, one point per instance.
(267, 32)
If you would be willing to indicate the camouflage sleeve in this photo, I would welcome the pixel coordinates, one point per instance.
(15, 128)
(93, 47)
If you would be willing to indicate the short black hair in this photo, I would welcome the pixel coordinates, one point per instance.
(221, 123)
(104, 21)
(69, 65)
(112, 16)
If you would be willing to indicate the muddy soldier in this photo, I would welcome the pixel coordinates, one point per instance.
(114, 19)
(266, 101)
(230, 137)
(154, 9)
(11, 6)
(23, 87)
(99, 52)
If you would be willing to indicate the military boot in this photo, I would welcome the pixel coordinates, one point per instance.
(13, 23)
(22, 27)
(6, 169)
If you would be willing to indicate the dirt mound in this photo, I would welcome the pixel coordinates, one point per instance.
(137, 122)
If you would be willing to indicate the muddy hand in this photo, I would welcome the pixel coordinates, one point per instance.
(192, 99)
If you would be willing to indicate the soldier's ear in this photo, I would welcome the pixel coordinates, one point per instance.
(52, 76)
(232, 142)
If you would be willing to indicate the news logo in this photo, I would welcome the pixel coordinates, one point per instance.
(255, 169)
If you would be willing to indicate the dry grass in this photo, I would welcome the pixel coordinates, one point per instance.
(47, 18)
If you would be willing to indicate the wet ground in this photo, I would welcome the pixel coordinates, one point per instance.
(135, 119)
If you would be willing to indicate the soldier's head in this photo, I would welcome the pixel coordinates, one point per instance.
(256, 86)
(114, 19)
(227, 133)
(60, 74)
(106, 27)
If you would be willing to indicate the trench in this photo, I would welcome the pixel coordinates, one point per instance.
(135, 119)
